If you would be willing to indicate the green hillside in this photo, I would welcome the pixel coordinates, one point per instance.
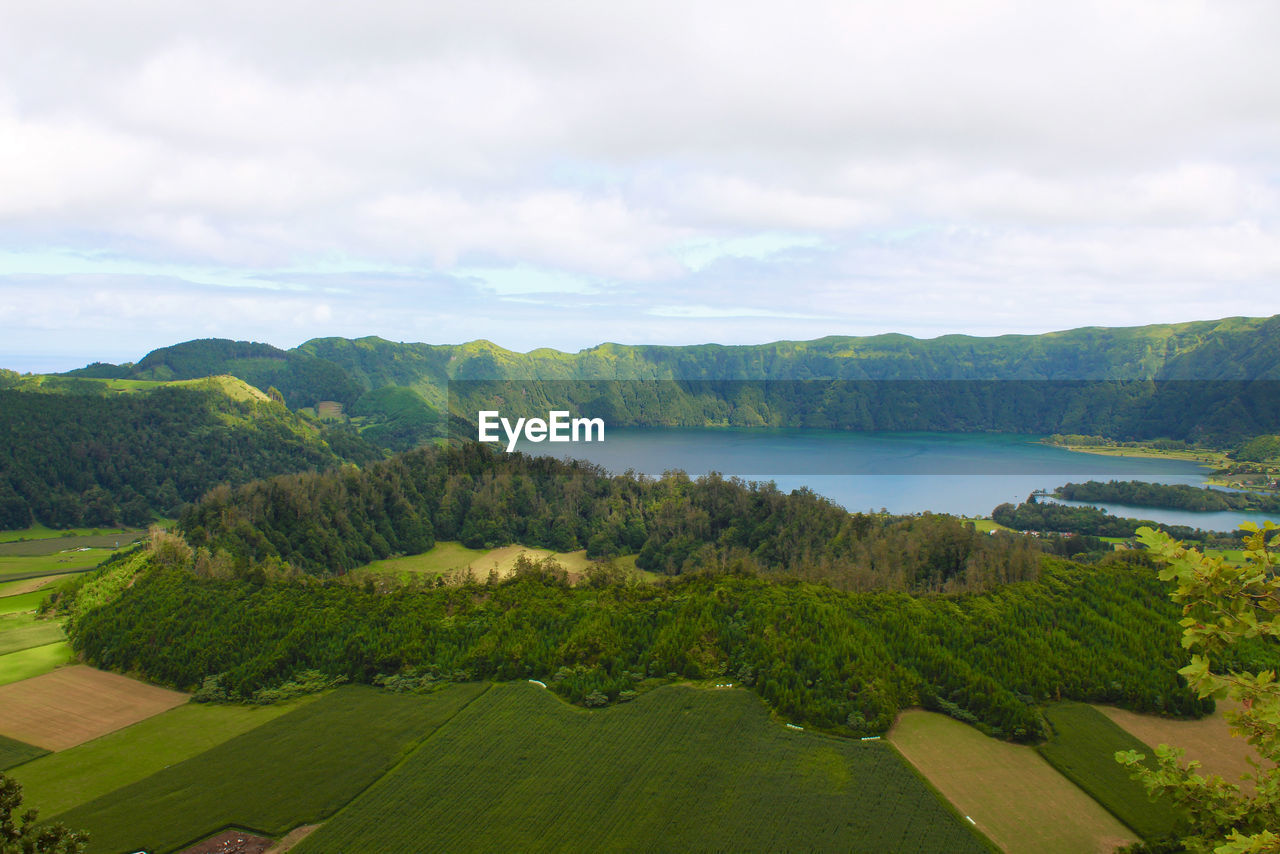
(81, 452)
(1214, 380)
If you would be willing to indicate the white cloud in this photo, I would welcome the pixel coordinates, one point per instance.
(1094, 158)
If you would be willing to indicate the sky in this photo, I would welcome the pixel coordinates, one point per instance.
(559, 174)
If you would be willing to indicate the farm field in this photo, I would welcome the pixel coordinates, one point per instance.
(26, 663)
(59, 563)
(1207, 740)
(23, 631)
(25, 585)
(296, 769)
(21, 602)
(678, 769)
(40, 532)
(59, 781)
(1083, 748)
(1012, 794)
(74, 704)
(14, 752)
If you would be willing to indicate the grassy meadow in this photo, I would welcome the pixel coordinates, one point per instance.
(679, 769)
(447, 557)
(23, 664)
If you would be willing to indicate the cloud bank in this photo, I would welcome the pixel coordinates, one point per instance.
(557, 174)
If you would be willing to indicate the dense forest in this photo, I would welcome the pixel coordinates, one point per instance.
(845, 662)
(1173, 496)
(75, 459)
(1211, 381)
(335, 521)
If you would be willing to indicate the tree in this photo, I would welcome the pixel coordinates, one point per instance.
(1224, 606)
(23, 836)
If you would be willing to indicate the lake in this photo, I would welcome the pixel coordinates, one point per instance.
(965, 474)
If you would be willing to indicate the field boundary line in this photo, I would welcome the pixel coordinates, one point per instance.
(937, 793)
(412, 749)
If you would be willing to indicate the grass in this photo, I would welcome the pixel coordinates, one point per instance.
(16, 666)
(1083, 748)
(23, 631)
(233, 387)
(40, 532)
(1010, 792)
(444, 557)
(22, 602)
(14, 752)
(296, 769)
(678, 769)
(986, 526)
(25, 585)
(32, 566)
(60, 781)
(448, 556)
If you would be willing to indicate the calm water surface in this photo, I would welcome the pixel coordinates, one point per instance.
(961, 473)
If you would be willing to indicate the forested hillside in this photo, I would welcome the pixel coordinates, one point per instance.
(846, 662)
(1205, 381)
(338, 520)
(89, 459)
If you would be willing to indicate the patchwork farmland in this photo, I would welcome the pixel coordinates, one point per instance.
(679, 769)
(1012, 794)
(1208, 740)
(57, 782)
(75, 704)
(294, 770)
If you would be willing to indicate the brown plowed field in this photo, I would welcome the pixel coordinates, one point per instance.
(1208, 740)
(72, 705)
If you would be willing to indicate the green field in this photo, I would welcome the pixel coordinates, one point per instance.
(444, 557)
(23, 631)
(448, 556)
(40, 532)
(987, 525)
(293, 770)
(14, 752)
(678, 769)
(16, 666)
(22, 602)
(1010, 792)
(30, 566)
(9, 588)
(1083, 747)
(68, 778)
